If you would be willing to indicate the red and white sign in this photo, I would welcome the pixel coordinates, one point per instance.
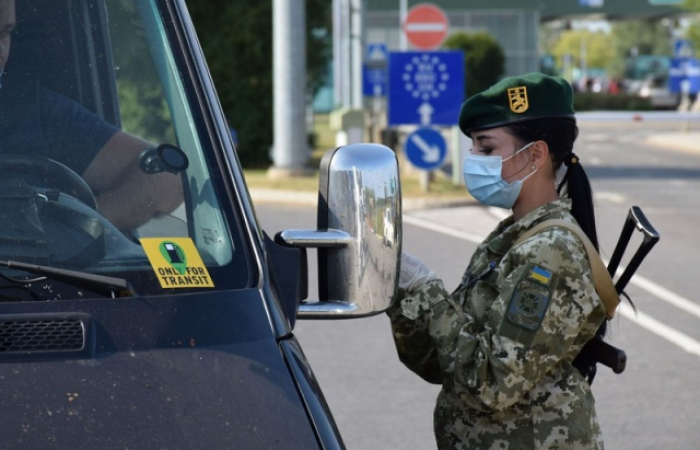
(426, 26)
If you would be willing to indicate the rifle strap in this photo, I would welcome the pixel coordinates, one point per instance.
(601, 278)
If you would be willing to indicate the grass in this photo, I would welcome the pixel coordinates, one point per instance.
(324, 139)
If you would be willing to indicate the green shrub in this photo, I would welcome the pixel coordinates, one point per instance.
(595, 101)
(484, 60)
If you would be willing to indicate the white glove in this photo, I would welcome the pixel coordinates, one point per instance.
(413, 273)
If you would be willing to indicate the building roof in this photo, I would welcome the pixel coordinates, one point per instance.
(552, 9)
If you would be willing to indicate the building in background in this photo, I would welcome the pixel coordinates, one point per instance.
(513, 23)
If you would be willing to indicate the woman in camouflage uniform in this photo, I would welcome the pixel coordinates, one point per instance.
(503, 344)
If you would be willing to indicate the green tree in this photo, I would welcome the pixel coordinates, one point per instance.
(236, 37)
(636, 37)
(594, 46)
(693, 31)
(484, 59)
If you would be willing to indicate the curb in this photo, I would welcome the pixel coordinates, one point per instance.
(295, 198)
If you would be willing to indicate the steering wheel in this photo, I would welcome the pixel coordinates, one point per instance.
(49, 174)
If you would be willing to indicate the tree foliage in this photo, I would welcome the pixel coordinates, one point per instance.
(484, 59)
(578, 44)
(693, 31)
(608, 51)
(642, 37)
(236, 37)
(633, 38)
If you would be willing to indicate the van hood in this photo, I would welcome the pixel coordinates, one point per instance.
(187, 371)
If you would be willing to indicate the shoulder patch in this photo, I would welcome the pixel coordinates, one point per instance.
(529, 301)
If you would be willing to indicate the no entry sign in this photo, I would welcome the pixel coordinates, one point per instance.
(426, 26)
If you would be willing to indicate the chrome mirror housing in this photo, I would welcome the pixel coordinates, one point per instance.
(358, 233)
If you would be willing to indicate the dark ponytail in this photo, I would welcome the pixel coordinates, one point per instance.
(560, 134)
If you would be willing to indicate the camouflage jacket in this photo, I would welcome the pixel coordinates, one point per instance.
(503, 342)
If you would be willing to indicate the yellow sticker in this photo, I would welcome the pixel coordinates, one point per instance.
(176, 262)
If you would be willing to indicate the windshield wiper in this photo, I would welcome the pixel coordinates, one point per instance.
(107, 286)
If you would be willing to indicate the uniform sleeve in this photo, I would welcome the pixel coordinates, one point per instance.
(410, 322)
(545, 311)
(75, 133)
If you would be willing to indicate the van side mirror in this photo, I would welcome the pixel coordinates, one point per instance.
(358, 233)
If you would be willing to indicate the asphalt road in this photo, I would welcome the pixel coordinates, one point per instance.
(378, 404)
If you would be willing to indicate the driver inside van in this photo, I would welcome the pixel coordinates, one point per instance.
(37, 121)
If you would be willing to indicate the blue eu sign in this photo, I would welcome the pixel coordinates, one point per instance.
(426, 149)
(425, 88)
(684, 73)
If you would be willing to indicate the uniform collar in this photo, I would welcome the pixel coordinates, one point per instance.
(505, 234)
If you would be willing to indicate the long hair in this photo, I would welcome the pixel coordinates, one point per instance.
(560, 134)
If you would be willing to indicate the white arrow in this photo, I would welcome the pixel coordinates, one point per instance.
(431, 154)
(425, 111)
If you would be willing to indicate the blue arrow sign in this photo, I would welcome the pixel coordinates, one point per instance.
(425, 88)
(426, 148)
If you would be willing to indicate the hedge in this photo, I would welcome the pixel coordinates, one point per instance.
(594, 101)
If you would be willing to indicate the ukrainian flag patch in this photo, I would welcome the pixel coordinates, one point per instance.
(537, 273)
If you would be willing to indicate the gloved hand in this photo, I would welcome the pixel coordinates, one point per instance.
(413, 273)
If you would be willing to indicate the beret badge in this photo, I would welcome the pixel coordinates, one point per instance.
(517, 99)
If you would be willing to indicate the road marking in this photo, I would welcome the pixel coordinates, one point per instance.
(666, 295)
(672, 335)
(442, 229)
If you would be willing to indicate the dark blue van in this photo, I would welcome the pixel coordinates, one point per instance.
(141, 305)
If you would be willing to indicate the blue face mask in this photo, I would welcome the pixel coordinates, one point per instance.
(482, 176)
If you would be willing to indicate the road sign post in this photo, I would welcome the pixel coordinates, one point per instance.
(374, 84)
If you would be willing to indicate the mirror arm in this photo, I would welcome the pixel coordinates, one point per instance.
(321, 239)
(316, 239)
(328, 309)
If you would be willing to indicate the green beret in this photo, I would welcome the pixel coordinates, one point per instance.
(517, 99)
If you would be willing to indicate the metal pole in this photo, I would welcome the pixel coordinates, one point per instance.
(403, 12)
(290, 152)
(356, 52)
(337, 49)
(456, 156)
(345, 52)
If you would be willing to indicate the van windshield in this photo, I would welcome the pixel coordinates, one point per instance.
(107, 163)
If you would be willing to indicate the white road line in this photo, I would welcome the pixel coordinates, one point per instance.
(672, 335)
(428, 225)
(666, 295)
